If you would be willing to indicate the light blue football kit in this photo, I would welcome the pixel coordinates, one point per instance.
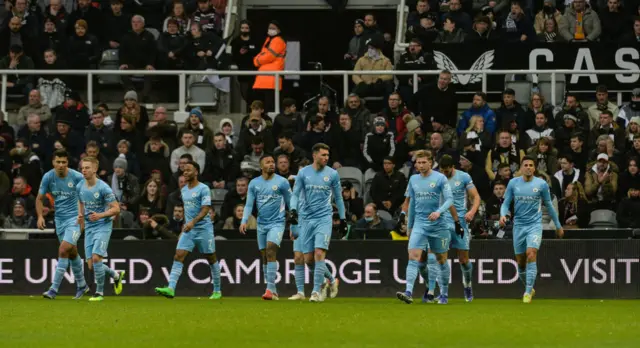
(460, 182)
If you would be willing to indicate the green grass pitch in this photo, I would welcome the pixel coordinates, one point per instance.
(342, 322)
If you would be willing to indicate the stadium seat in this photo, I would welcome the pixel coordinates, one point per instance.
(544, 84)
(603, 218)
(110, 61)
(217, 197)
(154, 32)
(368, 180)
(203, 93)
(522, 89)
(385, 215)
(353, 175)
(406, 171)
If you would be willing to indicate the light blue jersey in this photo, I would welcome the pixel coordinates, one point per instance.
(96, 199)
(460, 182)
(427, 195)
(65, 199)
(527, 219)
(271, 196)
(202, 233)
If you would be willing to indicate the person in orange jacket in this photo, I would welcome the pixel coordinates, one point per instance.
(270, 58)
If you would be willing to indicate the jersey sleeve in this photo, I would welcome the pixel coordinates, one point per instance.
(508, 197)
(44, 184)
(446, 193)
(107, 193)
(412, 204)
(336, 187)
(468, 182)
(248, 206)
(205, 196)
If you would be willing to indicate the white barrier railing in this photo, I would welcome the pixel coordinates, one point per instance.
(182, 74)
(28, 230)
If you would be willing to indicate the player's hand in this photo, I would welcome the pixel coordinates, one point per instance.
(293, 232)
(459, 229)
(188, 226)
(344, 227)
(469, 216)
(560, 233)
(434, 216)
(293, 217)
(243, 228)
(503, 221)
(41, 222)
(94, 217)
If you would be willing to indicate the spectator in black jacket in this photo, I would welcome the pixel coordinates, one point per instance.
(516, 26)
(105, 165)
(70, 139)
(295, 153)
(51, 38)
(628, 209)
(156, 158)
(426, 31)
(205, 16)
(15, 34)
(388, 186)
(235, 197)
(137, 52)
(612, 129)
(101, 134)
(615, 22)
(257, 128)
(346, 147)
(414, 59)
(171, 47)
(289, 121)
(175, 197)
(91, 15)
(353, 205)
(220, 167)
(243, 48)
(84, 51)
(493, 204)
(59, 14)
(318, 134)
(378, 144)
(73, 112)
(203, 49)
(36, 138)
(437, 99)
(118, 23)
(573, 107)
(161, 127)
(461, 18)
(510, 110)
(482, 32)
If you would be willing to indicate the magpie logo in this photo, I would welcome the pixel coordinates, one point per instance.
(484, 62)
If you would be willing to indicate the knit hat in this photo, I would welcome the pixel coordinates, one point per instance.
(120, 163)
(486, 10)
(635, 119)
(131, 95)
(198, 113)
(82, 23)
(73, 95)
(552, 2)
(19, 201)
(413, 125)
(379, 121)
(635, 92)
(571, 117)
(359, 21)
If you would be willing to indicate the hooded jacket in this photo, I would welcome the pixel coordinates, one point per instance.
(591, 25)
(156, 161)
(220, 165)
(487, 114)
(361, 120)
(270, 58)
(594, 112)
(368, 63)
(103, 136)
(601, 192)
(232, 139)
(377, 146)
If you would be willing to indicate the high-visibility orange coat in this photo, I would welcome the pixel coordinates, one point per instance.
(270, 58)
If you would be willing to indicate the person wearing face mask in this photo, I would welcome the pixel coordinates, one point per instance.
(630, 110)
(548, 11)
(371, 220)
(270, 58)
(243, 48)
(373, 85)
(627, 214)
(414, 59)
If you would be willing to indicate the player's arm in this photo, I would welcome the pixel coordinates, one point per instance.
(447, 204)
(81, 214)
(336, 187)
(475, 198)
(39, 204)
(546, 197)
(248, 208)
(504, 209)
(298, 189)
(285, 190)
(411, 206)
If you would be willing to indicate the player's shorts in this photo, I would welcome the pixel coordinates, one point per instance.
(316, 234)
(457, 242)
(297, 243)
(202, 239)
(68, 230)
(525, 237)
(96, 243)
(270, 233)
(421, 239)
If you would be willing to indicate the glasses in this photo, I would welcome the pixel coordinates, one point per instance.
(394, 99)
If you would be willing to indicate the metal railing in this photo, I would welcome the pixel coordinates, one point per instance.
(182, 74)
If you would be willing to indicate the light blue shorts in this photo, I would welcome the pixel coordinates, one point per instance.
(457, 242)
(316, 234)
(96, 243)
(525, 237)
(202, 239)
(68, 230)
(270, 233)
(297, 243)
(438, 243)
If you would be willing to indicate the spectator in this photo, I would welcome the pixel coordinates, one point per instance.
(627, 214)
(220, 163)
(180, 17)
(538, 104)
(482, 31)
(177, 220)
(19, 217)
(568, 173)
(295, 154)
(243, 48)
(550, 33)
(51, 38)
(52, 87)
(356, 44)
(437, 101)
(628, 178)
(104, 164)
(635, 150)
(118, 23)
(157, 227)
(479, 107)
(71, 140)
(226, 128)
(346, 149)
(203, 49)
(15, 34)
(233, 198)
(450, 33)
(540, 130)
(422, 8)
(371, 32)
(615, 22)
(127, 131)
(204, 135)
(289, 121)
(601, 184)
(388, 186)
(283, 167)
(17, 60)
(476, 141)
(84, 50)
(516, 27)
(478, 175)
(36, 107)
(353, 205)
(188, 140)
(548, 12)
(373, 85)
(257, 107)
(151, 200)
(633, 37)
(156, 158)
(546, 156)
(73, 112)
(573, 107)
(573, 209)
(606, 145)
(414, 59)
(495, 201)
(124, 185)
(125, 219)
(138, 51)
(257, 128)
(101, 134)
(252, 160)
(426, 31)
(396, 115)
(171, 47)
(606, 126)
(133, 108)
(22, 191)
(460, 17)
(448, 134)
(378, 144)
(162, 127)
(125, 150)
(510, 111)
(630, 110)
(36, 138)
(415, 140)
(583, 24)
(371, 220)
(26, 163)
(504, 152)
(318, 133)
(632, 132)
(175, 198)
(602, 104)
(361, 118)
(92, 16)
(439, 148)
(59, 14)
(233, 222)
(270, 58)
(205, 16)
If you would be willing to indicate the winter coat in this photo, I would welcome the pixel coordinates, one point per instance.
(514, 28)
(155, 161)
(137, 50)
(618, 133)
(388, 188)
(203, 135)
(103, 137)
(25, 63)
(346, 147)
(594, 112)
(207, 20)
(377, 146)
(627, 214)
(547, 162)
(366, 63)
(614, 25)
(206, 42)
(220, 165)
(541, 17)
(38, 142)
(75, 115)
(245, 61)
(591, 25)
(118, 26)
(408, 61)
(40, 109)
(487, 114)
(94, 18)
(504, 116)
(270, 58)
(83, 52)
(456, 36)
(361, 121)
(248, 134)
(600, 192)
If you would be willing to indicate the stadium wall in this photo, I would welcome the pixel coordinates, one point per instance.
(597, 269)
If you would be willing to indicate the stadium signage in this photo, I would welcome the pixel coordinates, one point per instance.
(570, 268)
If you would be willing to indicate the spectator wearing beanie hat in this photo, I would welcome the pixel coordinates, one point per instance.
(378, 144)
(19, 217)
(196, 124)
(133, 108)
(373, 85)
(124, 185)
(548, 11)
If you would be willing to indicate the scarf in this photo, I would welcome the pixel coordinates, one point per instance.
(579, 34)
(505, 155)
(550, 37)
(115, 187)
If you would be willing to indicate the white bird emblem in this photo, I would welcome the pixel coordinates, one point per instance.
(484, 62)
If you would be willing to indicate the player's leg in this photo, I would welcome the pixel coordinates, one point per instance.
(322, 238)
(185, 246)
(417, 244)
(298, 259)
(461, 244)
(308, 240)
(262, 245)
(331, 286)
(534, 238)
(100, 245)
(68, 236)
(434, 270)
(207, 245)
(439, 244)
(274, 237)
(520, 249)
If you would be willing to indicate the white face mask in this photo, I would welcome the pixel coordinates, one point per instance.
(373, 53)
(272, 32)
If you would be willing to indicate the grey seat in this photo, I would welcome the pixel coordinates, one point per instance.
(203, 93)
(522, 89)
(603, 218)
(217, 198)
(385, 215)
(352, 175)
(110, 60)
(368, 180)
